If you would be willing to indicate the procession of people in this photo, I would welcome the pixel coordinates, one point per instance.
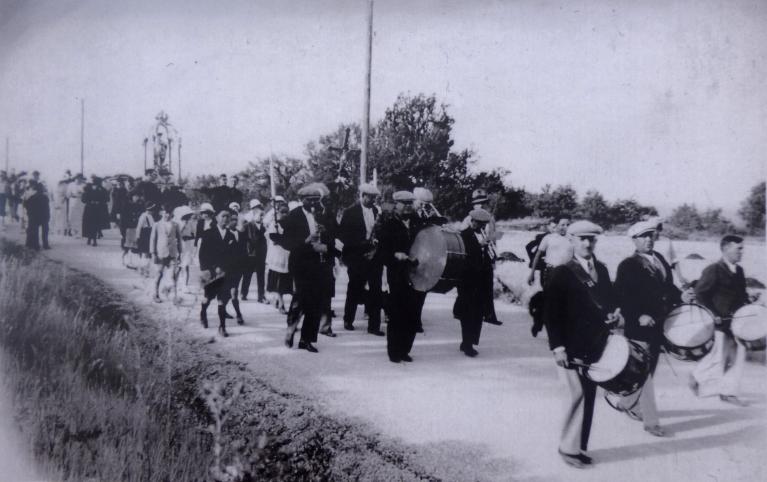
(296, 248)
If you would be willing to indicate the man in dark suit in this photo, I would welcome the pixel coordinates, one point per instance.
(359, 256)
(427, 216)
(215, 255)
(646, 294)
(256, 260)
(473, 282)
(38, 215)
(308, 249)
(579, 308)
(722, 289)
(236, 260)
(397, 234)
(219, 194)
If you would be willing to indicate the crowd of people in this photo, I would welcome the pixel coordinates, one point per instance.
(295, 248)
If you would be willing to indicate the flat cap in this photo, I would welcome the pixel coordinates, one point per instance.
(309, 191)
(279, 199)
(478, 196)
(254, 203)
(480, 215)
(321, 187)
(182, 211)
(403, 196)
(423, 195)
(642, 227)
(584, 228)
(368, 188)
(207, 208)
(234, 206)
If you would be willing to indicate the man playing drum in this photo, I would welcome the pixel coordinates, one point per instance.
(646, 293)
(722, 289)
(579, 308)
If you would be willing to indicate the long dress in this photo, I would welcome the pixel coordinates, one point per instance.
(278, 279)
(76, 207)
(61, 208)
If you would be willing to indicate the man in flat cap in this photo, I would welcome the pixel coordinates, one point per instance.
(579, 308)
(646, 293)
(308, 244)
(362, 263)
(427, 216)
(478, 270)
(480, 200)
(396, 236)
(256, 261)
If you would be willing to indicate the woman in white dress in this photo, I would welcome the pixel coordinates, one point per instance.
(278, 279)
(76, 206)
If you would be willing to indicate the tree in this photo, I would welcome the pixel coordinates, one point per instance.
(628, 211)
(686, 217)
(752, 209)
(561, 201)
(335, 160)
(594, 208)
(714, 223)
(290, 174)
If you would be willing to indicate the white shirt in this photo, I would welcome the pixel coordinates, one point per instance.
(312, 222)
(370, 219)
(733, 267)
(585, 263)
(558, 249)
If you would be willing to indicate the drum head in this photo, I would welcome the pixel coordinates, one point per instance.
(430, 248)
(689, 325)
(612, 361)
(750, 322)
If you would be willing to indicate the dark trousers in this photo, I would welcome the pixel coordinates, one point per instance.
(363, 272)
(488, 301)
(420, 298)
(401, 329)
(33, 234)
(253, 265)
(471, 328)
(307, 300)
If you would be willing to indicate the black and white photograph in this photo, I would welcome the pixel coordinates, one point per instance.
(383, 240)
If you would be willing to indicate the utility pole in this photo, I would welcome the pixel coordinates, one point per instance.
(7, 154)
(366, 113)
(179, 161)
(82, 136)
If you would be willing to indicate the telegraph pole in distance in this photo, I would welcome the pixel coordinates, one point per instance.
(366, 114)
(82, 136)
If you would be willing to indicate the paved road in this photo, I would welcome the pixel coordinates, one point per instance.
(498, 413)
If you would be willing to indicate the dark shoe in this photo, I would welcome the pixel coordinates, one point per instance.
(494, 322)
(406, 358)
(303, 345)
(263, 300)
(470, 351)
(289, 340)
(229, 317)
(733, 400)
(633, 414)
(328, 333)
(585, 459)
(222, 331)
(204, 319)
(573, 460)
(656, 430)
(377, 332)
(46, 247)
(283, 311)
(244, 298)
(240, 321)
(419, 329)
(394, 359)
(348, 326)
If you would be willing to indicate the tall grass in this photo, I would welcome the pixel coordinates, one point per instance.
(91, 386)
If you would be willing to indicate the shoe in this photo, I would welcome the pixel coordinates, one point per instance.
(283, 311)
(240, 321)
(289, 340)
(585, 459)
(419, 329)
(733, 400)
(406, 358)
(46, 247)
(263, 301)
(656, 430)
(394, 359)
(348, 326)
(377, 332)
(204, 319)
(244, 298)
(303, 345)
(328, 333)
(494, 322)
(157, 299)
(572, 460)
(470, 352)
(228, 317)
(222, 331)
(633, 414)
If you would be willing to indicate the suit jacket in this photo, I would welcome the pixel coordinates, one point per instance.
(576, 308)
(238, 251)
(478, 269)
(352, 232)
(216, 251)
(303, 261)
(256, 234)
(722, 291)
(642, 289)
(38, 208)
(393, 237)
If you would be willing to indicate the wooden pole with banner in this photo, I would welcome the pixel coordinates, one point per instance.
(272, 187)
(366, 113)
(179, 161)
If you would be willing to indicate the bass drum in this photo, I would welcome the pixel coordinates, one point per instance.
(623, 367)
(689, 332)
(441, 258)
(749, 325)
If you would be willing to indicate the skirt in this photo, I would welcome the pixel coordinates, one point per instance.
(280, 283)
(130, 239)
(143, 240)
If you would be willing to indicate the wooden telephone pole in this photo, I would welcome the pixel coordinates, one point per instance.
(366, 113)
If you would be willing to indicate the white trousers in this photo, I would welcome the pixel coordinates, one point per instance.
(719, 372)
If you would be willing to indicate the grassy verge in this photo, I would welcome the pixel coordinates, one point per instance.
(104, 393)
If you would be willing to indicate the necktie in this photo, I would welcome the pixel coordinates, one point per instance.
(593, 271)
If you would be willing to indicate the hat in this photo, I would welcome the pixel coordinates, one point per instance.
(149, 205)
(480, 215)
(207, 208)
(584, 228)
(642, 227)
(368, 188)
(423, 195)
(322, 188)
(403, 196)
(279, 199)
(254, 203)
(478, 196)
(233, 206)
(309, 191)
(182, 211)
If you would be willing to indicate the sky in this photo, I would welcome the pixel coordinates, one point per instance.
(662, 101)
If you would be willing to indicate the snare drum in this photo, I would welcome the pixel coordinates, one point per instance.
(623, 367)
(689, 332)
(749, 326)
(441, 257)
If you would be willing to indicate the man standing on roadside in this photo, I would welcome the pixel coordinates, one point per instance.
(39, 214)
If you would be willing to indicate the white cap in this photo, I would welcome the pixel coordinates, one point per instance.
(207, 207)
(234, 206)
(254, 203)
(422, 194)
(642, 227)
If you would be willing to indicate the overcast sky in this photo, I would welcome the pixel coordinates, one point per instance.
(664, 101)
